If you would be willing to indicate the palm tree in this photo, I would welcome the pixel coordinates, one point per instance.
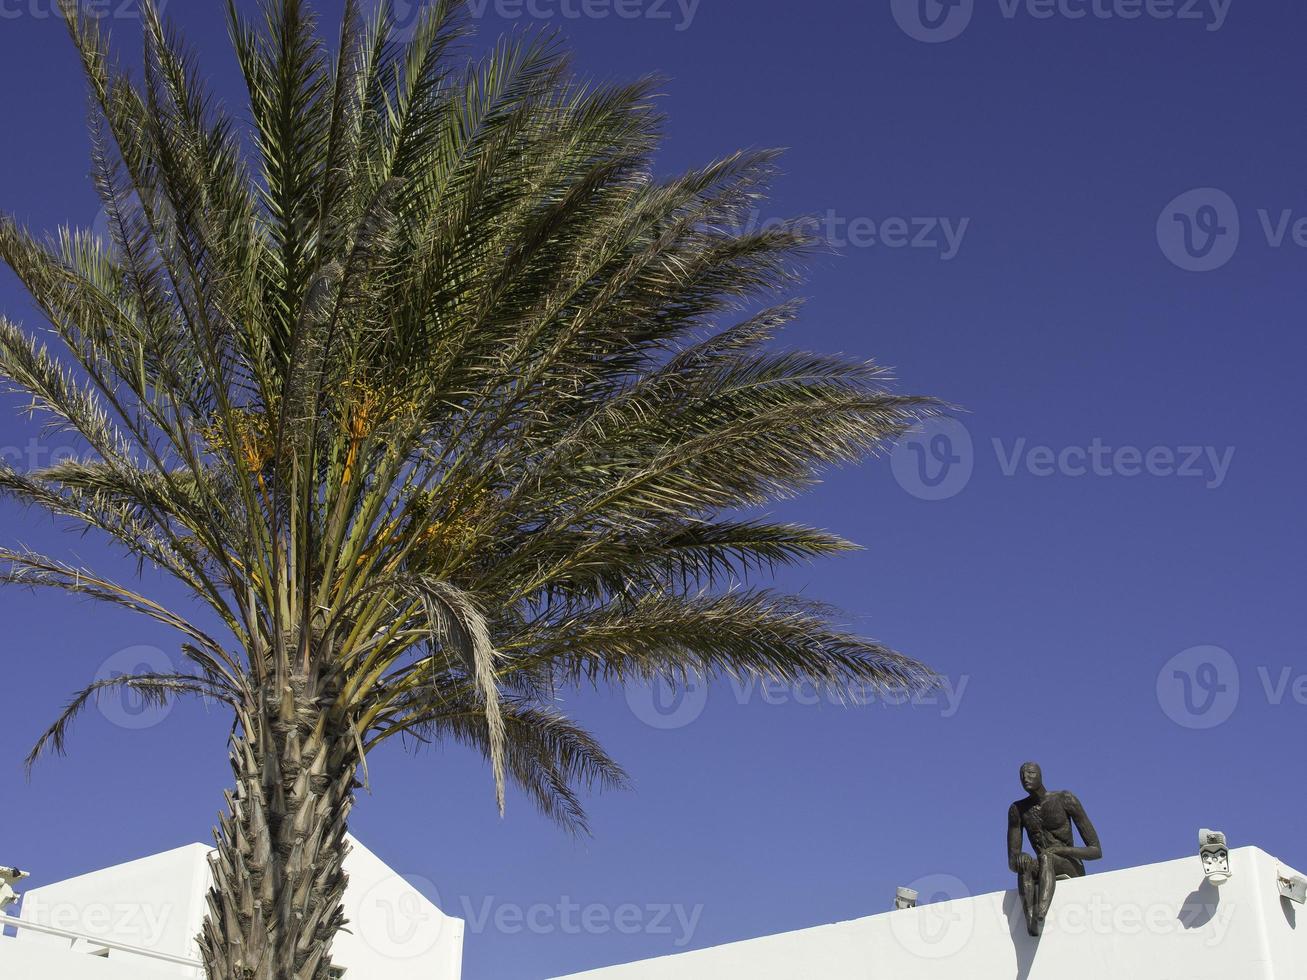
(437, 401)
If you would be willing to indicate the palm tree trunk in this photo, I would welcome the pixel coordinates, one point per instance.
(278, 881)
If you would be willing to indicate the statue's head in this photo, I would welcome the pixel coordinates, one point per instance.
(1032, 777)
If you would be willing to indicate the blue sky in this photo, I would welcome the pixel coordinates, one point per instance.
(1075, 219)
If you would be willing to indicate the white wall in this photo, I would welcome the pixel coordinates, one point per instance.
(1160, 922)
(394, 931)
(157, 903)
(27, 961)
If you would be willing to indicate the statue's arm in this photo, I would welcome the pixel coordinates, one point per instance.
(1014, 854)
(1092, 850)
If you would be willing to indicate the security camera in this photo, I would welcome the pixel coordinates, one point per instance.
(905, 898)
(1292, 886)
(7, 878)
(1215, 855)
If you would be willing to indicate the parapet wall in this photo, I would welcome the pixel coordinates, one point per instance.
(1159, 922)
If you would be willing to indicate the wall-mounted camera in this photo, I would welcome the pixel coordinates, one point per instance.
(905, 898)
(8, 876)
(1215, 855)
(1292, 886)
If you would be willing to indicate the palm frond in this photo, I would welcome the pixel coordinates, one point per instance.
(155, 690)
(435, 392)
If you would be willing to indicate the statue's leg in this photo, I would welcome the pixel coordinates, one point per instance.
(1028, 882)
(1047, 885)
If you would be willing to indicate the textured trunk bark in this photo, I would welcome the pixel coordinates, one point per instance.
(275, 905)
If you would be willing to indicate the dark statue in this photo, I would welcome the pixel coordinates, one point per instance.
(1047, 818)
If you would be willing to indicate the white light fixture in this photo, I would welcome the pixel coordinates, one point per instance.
(1215, 855)
(1292, 886)
(7, 878)
(905, 898)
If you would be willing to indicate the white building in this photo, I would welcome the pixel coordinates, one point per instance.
(140, 920)
(1160, 922)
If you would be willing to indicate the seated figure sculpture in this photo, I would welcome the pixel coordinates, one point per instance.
(1047, 819)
